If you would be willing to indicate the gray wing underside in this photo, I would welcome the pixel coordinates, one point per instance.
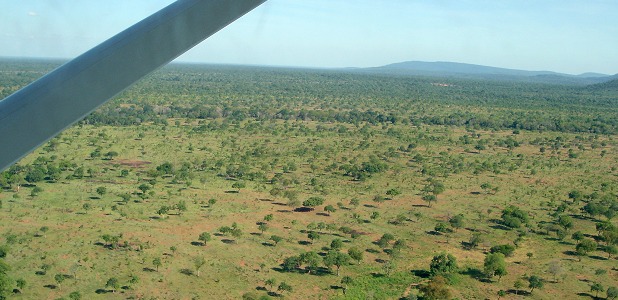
(39, 111)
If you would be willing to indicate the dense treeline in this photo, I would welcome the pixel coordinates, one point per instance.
(240, 93)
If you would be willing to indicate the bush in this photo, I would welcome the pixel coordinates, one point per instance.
(507, 250)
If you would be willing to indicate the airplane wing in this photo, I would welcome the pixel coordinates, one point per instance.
(41, 110)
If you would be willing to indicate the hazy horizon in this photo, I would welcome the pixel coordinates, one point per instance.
(568, 37)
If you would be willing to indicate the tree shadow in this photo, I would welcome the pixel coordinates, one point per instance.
(231, 192)
(500, 227)
(474, 273)
(518, 292)
(102, 291)
(304, 243)
(187, 272)
(284, 211)
(268, 244)
(150, 270)
(584, 294)
(323, 214)
(466, 245)
(280, 204)
(228, 241)
(598, 257)
(321, 271)
(421, 273)
(51, 286)
(303, 209)
(199, 244)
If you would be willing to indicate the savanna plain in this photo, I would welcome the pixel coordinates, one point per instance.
(231, 182)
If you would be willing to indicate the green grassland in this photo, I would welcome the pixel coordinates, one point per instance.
(262, 141)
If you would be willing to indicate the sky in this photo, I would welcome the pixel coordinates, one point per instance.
(568, 36)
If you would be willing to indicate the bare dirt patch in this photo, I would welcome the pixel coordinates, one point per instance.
(137, 164)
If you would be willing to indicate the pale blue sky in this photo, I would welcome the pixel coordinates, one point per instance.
(571, 36)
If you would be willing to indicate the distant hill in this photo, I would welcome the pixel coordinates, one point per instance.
(608, 85)
(463, 70)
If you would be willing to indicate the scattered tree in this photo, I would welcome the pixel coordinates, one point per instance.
(337, 259)
(345, 282)
(157, 263)
(443, 264)
(494, 265)
(276, 239)
(312, 235)
(436, 289)
(596, 288)
(101, 191)
(612, 292)
(284, 287)
(262, 227)
(198, 263)
(356, 254)
(313, 201)
(584, 247)
(329, 209)
(535, 282)
(113, 284)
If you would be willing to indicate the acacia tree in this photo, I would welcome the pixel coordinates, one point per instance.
(262, 227)
(312, 235)
(204, 238)
(268, 217)
(584, 247)
(356, 254)
(276, 239)
(431, 191)
(436, 289)
(59, 278)
(239, 185)
(597, 287)
(157, 263)
(337, 259)
(113, 284)
(535, 282)
(313, 201)
(494, 265)
(101, 191)
(329, 209)
(198, 263)
(284, 287)
(345, 282)
(457, 221)
(444, 263)
(612, 292)
(519, 284)
(311, 260)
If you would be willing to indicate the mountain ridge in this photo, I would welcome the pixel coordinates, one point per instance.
(466, 70)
